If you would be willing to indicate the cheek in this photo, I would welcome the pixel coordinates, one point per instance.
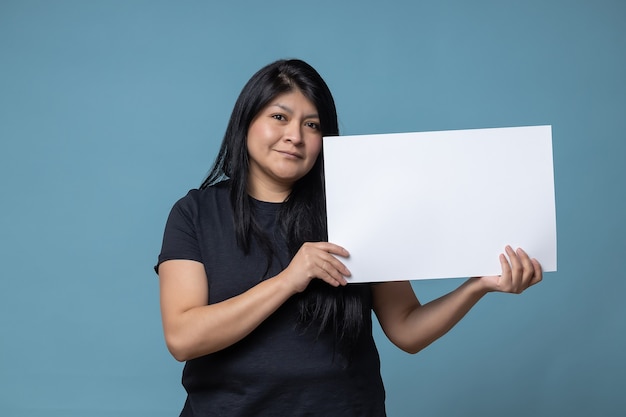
(315, 147)
(255, 138)
(253, 135)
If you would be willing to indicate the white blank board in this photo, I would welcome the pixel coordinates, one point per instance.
(444, 204)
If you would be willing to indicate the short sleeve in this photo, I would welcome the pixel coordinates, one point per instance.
(180, 239)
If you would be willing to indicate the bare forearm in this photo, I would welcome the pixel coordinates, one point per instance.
(193, 329)
(412, 326)
(427, 323)
(206, 329)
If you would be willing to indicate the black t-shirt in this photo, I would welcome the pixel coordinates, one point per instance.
(280, 369)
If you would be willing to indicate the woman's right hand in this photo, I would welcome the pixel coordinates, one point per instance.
(316, 260)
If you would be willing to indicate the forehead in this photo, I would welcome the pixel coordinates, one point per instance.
(293, 101)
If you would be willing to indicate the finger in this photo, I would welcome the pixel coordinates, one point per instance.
(330, 275)
(528, 272)
(332, 248)
(516, 270)
(336, 269)
(335, 264)
(505, 279)
(538, 272)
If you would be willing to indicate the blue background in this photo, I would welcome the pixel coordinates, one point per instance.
(112, 110)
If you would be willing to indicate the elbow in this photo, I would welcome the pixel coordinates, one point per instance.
(411, 343)
(184, 348)
(178, 349)
(180, 356)
(411, 346)
(410, 350)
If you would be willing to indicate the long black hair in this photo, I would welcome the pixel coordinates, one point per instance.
(303, 214)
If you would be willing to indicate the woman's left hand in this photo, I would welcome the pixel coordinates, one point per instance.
(519, 272)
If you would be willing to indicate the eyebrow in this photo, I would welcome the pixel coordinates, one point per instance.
(289, 110)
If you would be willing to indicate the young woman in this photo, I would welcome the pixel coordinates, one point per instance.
(256, 301)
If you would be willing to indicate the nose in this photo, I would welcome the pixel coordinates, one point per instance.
(293, 133)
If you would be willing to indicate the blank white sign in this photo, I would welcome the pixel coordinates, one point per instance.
(442, 204)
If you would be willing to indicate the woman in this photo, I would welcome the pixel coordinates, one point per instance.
(252, 296)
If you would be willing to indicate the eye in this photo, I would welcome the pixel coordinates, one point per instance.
(279, 117)
(313, 125)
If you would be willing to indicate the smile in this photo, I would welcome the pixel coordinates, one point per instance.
(287, 154)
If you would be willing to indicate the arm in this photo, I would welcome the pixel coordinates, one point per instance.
(192, 328)
(412, 326)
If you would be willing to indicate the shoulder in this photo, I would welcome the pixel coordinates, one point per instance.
(200, 200)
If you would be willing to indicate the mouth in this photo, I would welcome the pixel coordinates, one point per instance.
(288, 154)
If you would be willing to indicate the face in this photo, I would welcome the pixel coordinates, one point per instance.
(284, 140)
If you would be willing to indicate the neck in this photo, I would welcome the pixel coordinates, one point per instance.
(269, 193)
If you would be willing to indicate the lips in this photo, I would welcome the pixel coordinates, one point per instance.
(290, 154)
